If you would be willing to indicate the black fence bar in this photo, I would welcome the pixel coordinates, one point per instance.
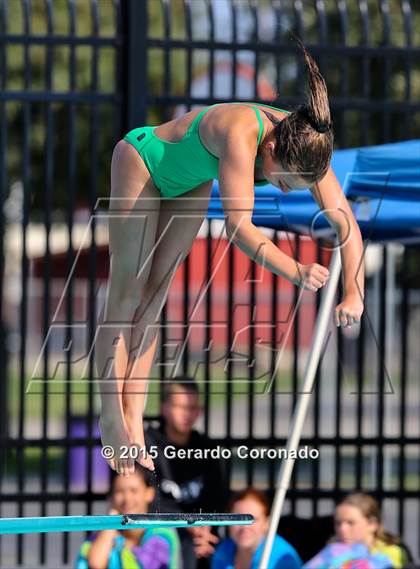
(338, 404)
(186, 316)
(48, 209)
(251, 415)
(295, 370)
(335, 104)
(273, 361)
(208, 338)
(26, 176)
(4, 395)
(318, 50)
(359, 412)
(69, 300)
(300, 493)
(403, 396)
(58, 97)
(232, 441)
(94, 126)
(230, 337)
(135, 55)
(408, 33)
(383, 379)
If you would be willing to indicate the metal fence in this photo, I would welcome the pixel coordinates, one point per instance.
(74, 77)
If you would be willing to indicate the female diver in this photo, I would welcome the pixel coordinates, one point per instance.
(151, 230)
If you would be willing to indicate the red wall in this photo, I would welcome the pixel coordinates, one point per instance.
(260, 318)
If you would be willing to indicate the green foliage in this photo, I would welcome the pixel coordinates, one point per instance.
(49, 70)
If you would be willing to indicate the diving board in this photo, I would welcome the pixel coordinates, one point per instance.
(119, 522)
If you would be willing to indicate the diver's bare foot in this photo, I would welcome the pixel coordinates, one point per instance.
(115, 444)
(135, 433)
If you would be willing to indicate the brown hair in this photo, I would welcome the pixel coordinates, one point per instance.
(146, 475)
(369, 508)
(304, 139)
(253, 494)
(184, 382)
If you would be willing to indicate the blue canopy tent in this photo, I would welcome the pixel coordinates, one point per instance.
(383, 184)
(383, 179)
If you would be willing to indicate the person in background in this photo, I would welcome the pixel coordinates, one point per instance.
(244, 548)
(154, 548)
(190, 485)
(360, 536)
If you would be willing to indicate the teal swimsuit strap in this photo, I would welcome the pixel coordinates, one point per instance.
(260, 122)
(198, 117)
(275, 108)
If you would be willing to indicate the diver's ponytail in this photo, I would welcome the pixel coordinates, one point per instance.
(317, 111)
(305, 138)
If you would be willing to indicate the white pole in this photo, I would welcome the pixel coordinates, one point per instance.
(390, 328)
(299, 415)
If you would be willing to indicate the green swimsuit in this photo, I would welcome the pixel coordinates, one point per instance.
(178, 167)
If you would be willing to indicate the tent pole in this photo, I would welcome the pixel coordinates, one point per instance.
(295, 430)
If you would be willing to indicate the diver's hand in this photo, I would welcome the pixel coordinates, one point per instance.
(349, 311)
(311, 277)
